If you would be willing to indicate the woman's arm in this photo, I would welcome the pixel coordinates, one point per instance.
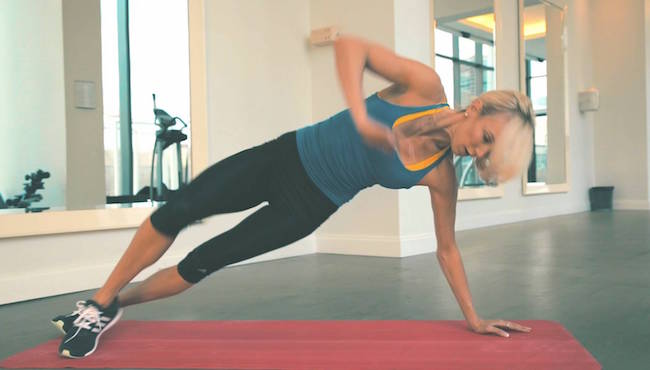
(443, 203)
(442, 187)
(354, 55)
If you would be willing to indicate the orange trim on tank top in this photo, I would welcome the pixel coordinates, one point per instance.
(429, 161)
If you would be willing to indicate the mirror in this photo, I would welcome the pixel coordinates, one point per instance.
(465, 60)
(80, 106)
(544, 81)
(54, 110)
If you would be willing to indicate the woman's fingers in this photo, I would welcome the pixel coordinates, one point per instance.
(497, 331)
(495, 327)
(379, 136)
(518, 327)
(512, 326)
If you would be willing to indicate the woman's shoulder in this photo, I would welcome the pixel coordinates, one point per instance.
(408, 96)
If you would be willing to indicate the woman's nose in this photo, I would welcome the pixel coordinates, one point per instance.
(481, 151)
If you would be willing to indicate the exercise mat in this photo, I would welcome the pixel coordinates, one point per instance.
(298, 344)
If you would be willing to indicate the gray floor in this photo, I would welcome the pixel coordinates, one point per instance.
(588, 271)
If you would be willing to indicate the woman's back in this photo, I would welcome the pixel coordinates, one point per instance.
(341, 164)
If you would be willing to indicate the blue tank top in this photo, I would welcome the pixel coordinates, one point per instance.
(341, 164)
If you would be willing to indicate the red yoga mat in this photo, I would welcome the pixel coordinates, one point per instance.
(318, 345)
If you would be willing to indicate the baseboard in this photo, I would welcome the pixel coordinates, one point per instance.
(376, 246)
(39, 284)
(496, 217)
(631, 204)
(416, 244)
(413, 245)
(358, 245)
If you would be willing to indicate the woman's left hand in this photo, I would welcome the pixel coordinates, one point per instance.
(493, 327)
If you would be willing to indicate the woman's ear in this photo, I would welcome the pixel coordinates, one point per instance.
(476, 107)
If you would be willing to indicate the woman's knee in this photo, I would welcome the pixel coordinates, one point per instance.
(173, 216)
(193, 267)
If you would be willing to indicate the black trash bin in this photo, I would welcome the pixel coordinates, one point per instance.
(600, 197)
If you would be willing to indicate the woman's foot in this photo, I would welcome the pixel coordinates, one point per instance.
(93, 320)
(64, 322)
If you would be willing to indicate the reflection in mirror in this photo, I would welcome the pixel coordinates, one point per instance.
(544, 83)
(82, 74)
(464, 47)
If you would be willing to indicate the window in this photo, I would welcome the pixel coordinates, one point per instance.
(466, 68)
(158, 63)
(536, 89)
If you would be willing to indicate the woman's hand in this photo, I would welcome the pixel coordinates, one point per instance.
(377, 135)
(493, 327)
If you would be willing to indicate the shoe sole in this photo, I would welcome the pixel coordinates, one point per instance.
(59, 325)
(66, 353)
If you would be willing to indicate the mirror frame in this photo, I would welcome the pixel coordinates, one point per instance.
(543, 188)
(60, 222)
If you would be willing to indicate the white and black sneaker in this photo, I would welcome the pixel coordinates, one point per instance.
(64, 322)
(82, 338)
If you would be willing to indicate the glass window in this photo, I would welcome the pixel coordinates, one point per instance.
(541, 148)
(159, 64)
(489, 81)
(537, 68)
(444, 43)
(466, 173)
(159, 55)
(469, 79)
(445, 69)
(488, 55)
(466, 69)
(110, 94)
(538, 93)
(466, 49)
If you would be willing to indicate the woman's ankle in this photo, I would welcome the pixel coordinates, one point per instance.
(103, 300)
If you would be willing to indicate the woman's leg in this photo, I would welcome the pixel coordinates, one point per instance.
(164, 283)
(147, 246)
(267, 229)
(296, 208)
(230, 185)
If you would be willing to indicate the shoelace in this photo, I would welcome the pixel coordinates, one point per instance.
(80, 306)
(89, 315)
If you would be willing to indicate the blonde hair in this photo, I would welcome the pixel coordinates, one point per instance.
(512, 151)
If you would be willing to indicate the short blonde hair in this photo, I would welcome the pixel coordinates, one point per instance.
(512, 150)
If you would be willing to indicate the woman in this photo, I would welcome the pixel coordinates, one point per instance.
(400, 137)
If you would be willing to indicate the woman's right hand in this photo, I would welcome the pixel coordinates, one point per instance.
(377, 135)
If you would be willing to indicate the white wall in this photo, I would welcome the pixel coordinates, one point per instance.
(413, 39)
(369, 223)
(32, 102)
(258, 70)
(259, 84)
(621, 128)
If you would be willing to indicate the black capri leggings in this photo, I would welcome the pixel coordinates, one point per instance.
(269, 172)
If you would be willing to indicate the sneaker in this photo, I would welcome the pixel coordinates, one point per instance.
(64, 322)
(94, 320)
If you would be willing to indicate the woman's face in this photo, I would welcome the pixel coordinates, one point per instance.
(476, 135)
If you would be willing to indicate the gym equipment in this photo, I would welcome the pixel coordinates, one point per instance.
(29, 196)
(166, 137)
